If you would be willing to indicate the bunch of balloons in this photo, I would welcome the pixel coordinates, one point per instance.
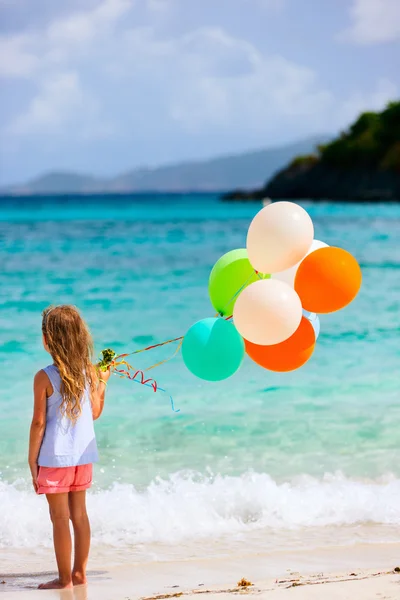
(268, 296)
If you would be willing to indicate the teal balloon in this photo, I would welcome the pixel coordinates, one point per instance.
(213, 349)
(229, 276)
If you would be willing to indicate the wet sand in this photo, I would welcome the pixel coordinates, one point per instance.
(354, 573)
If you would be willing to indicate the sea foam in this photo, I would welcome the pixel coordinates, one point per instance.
(190, 507)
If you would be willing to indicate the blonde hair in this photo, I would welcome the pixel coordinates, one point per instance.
(71, 347)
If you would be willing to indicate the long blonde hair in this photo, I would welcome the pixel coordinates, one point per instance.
(71, 347)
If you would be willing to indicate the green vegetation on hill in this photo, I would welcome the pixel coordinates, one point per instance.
(361, 164)
(372, 142)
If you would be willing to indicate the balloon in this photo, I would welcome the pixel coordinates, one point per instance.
(231, 273)
(288, 276)
(288, 355)
(315, 322)
(279, 236)
(327, 280)
(267, 312)
(212, 349)
(317, 245)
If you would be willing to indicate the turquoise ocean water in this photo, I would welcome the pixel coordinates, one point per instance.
(261, 456)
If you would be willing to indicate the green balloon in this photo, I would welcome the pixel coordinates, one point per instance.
(230, 275)
(213, 349)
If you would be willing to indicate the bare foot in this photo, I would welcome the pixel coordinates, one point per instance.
(55, 584)
(79, 578)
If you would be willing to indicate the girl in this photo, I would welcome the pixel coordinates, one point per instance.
(68, 396)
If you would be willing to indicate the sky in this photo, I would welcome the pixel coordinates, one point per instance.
(103, 86)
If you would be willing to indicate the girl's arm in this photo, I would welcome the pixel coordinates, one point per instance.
(99, 394)
(38, 424)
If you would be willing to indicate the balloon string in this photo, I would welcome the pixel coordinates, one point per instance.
(180, 339)
(133, 375)
(162, 362)
(150, 347)
(158, 364)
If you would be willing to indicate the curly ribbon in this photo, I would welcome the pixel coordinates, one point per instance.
(147, 382)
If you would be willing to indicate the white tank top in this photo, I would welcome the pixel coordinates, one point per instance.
(67, 444)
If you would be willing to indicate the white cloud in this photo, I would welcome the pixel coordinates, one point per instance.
(227, 81)
(50, 58)
(84, 26)
(209, 80)
(373, 22)
(52, 108)
(16, 59)
(30, 54)
(97, 76)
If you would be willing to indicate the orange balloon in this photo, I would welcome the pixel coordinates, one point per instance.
(288, 355)
(327, 280)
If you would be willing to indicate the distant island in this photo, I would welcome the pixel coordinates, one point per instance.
(248, 171)
(362, 164)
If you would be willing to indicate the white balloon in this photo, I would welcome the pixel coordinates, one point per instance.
(289, 275)
(267, 312)
(279, 236)
(316, 245)
(314, 320)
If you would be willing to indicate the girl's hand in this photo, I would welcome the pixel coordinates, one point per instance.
(105, 375)
(34, 471)
(98, 395)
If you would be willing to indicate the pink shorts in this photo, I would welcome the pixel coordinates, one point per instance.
(56, 480)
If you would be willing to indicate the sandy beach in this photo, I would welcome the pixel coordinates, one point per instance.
(361, 572)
